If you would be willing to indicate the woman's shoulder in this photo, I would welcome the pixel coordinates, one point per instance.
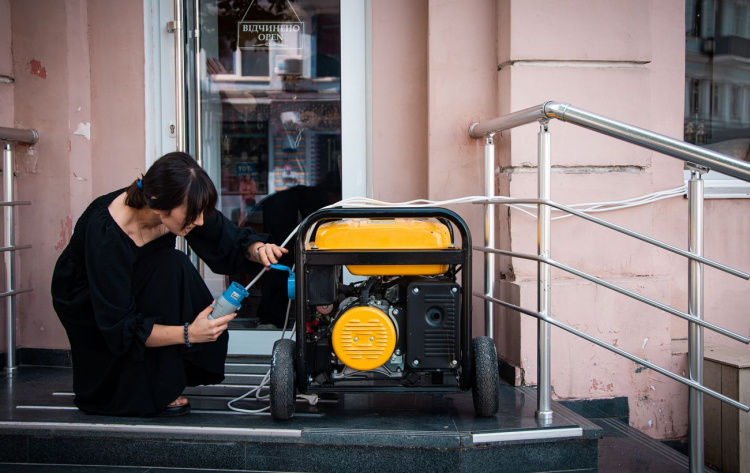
(98, 210)
(96, 217)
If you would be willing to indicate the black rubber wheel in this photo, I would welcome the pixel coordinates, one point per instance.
(484, 389)
(282, 379)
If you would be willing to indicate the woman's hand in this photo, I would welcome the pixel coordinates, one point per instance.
(204, 330)
(266, 253)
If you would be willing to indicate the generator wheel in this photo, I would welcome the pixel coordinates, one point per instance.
(485, 387)
(282, 379)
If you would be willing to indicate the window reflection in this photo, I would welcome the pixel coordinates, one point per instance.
(717, 83)
(272, 121)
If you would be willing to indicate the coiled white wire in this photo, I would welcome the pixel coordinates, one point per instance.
(364, 202)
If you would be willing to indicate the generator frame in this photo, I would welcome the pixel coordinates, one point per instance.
(306, 257)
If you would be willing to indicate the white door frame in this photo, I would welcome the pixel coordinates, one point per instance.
(355, 108)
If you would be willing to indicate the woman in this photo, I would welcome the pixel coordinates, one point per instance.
(135, 309)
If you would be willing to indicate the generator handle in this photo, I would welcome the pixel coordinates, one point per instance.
(339, 213)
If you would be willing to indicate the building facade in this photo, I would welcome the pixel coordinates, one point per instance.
(93, 77)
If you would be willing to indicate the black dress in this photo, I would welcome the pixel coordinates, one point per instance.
(109, 293)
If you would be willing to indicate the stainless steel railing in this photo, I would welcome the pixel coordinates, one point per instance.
(9, 136)
(698, 161)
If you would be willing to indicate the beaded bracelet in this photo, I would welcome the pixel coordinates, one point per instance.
(187, 340)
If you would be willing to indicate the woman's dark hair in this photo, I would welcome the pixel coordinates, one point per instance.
(173, 180)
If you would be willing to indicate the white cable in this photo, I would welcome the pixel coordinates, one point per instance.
(591, 207)
(365, 202)
(266, 378)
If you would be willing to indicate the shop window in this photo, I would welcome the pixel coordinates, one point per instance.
(717, 51)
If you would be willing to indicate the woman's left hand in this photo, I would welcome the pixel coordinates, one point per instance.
(266, 253)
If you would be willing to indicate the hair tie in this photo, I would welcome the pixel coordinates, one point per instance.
(139, 183)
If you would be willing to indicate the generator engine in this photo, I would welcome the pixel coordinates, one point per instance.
(403, 324)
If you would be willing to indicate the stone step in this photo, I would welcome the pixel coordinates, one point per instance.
(409, 432)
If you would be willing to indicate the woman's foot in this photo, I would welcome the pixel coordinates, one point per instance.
(180, 401)
(178, 407)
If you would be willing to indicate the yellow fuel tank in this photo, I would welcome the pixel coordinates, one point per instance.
(386, 234)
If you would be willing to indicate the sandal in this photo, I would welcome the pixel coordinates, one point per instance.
(174, 411)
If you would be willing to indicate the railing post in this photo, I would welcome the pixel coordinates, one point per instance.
(544, 278)
(10, 259)
(489, 234)
(695, 308)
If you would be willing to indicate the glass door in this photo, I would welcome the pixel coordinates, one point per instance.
(269, 131)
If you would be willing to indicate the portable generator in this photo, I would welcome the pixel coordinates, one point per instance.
(403, 324)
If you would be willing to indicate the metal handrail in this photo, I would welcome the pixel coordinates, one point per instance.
(619, 351)
(648, 139)
(698, 161)
(617, 228)
(625, 292)
(18, 135)
(9, 136)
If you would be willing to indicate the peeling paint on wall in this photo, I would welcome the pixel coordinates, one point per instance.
(84, 129)
(597, 385)
(36, 69)
(66, 231)
(29, 161)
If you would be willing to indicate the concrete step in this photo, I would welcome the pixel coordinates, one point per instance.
(409, 432)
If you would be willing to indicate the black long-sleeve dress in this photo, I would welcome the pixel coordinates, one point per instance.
(108, 293)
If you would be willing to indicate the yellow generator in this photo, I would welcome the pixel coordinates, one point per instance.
(383, 304)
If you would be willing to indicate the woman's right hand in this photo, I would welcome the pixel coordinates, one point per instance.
(204, 330)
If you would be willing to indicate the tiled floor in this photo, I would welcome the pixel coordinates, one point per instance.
(437, 428)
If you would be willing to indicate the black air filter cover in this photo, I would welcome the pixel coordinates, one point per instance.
(433, 315)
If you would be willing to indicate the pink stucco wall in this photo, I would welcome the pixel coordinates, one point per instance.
(6, 66)
(78, 69)
(400, 112)
(620, 59)
(623, 70)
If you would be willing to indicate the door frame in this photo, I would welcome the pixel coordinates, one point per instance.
(356, 80)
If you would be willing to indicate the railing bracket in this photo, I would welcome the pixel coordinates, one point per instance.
(692, 167)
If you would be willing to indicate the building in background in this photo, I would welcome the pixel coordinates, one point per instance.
(717, 72)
